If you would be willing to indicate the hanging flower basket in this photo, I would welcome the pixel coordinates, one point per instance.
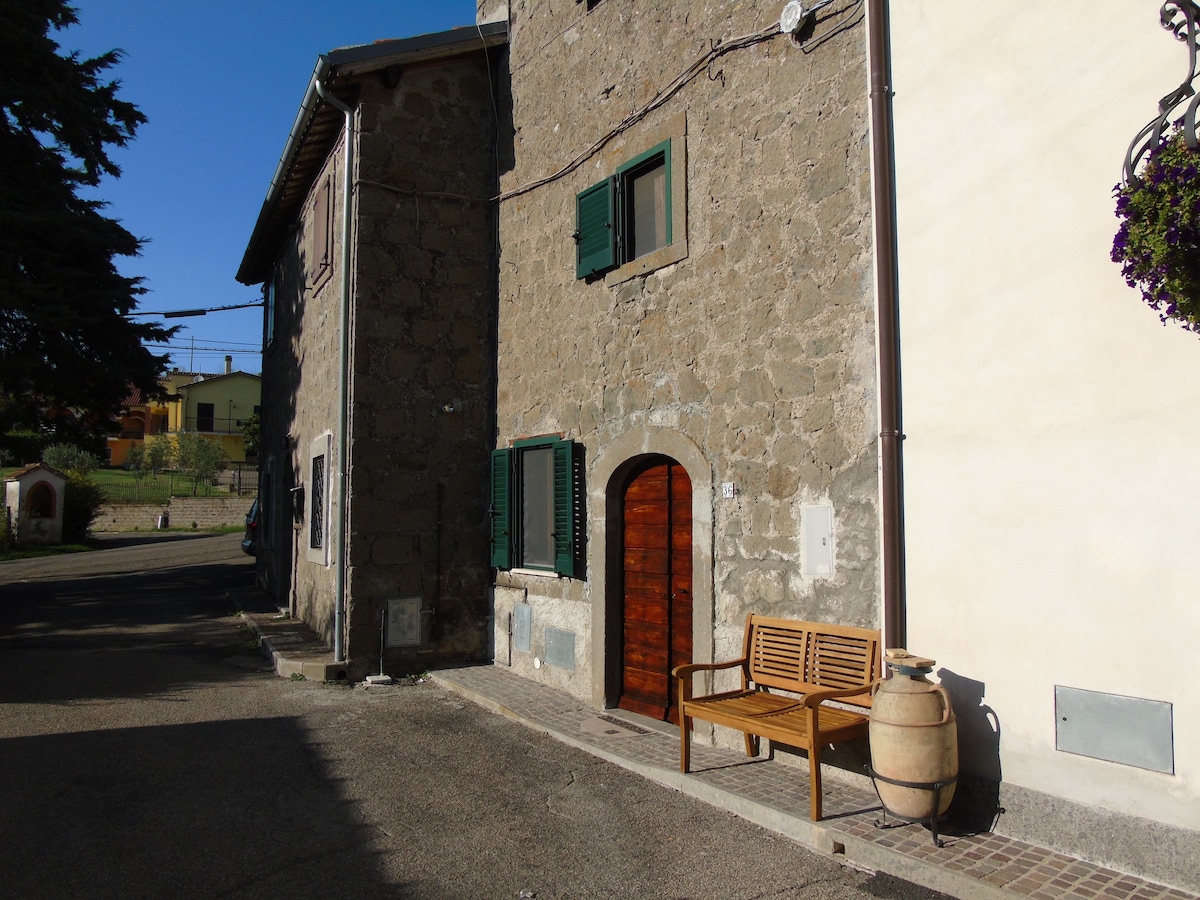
(1158, 241)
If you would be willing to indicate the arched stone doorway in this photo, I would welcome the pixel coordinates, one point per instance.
(610, 475)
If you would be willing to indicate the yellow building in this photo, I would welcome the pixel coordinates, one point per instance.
(211, 405)
(215, 408)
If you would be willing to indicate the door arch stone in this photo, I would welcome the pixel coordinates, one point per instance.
(607, 480)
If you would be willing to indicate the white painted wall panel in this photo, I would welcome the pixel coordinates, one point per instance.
(1052, 495)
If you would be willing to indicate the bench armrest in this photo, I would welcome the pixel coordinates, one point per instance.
(815, 698)
(685, 673)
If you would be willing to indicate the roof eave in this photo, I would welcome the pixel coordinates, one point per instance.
(338, 66)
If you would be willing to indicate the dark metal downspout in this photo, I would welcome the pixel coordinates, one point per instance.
(895, 626)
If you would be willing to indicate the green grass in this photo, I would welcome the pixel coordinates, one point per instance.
(125, 486)
(56, 550)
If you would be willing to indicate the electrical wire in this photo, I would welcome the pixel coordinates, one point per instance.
(716, 51)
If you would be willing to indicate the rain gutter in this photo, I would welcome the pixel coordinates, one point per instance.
(343, 438)
(891, 436)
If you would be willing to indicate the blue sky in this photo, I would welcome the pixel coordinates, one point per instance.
(220, 83)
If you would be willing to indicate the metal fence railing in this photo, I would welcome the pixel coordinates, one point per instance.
(240, 481)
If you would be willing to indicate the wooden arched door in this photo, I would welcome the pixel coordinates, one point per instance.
(656, 628)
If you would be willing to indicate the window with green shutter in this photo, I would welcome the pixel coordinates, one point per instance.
(568, 509)
(595, 230)
(501, 509)
(626, 216)
(537, 509)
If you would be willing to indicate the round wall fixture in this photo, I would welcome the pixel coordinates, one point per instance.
(791, 17)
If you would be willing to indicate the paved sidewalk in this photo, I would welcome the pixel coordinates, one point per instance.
(766, 792)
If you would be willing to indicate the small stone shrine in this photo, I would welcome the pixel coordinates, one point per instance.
(33, 502)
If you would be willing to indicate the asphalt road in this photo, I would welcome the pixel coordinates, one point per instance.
(146, 750)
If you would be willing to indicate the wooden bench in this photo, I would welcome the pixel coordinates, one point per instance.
(816, 661)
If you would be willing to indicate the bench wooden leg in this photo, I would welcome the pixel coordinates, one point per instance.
(751, 743)
(685, 743)
(814, 781)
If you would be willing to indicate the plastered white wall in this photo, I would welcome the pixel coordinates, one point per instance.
(1051, 494)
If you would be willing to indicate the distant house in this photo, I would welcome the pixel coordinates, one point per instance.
(212, 405)
(141, 417)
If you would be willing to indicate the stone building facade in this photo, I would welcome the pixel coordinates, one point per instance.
(653, 384)
(724, 355)
(379, 359)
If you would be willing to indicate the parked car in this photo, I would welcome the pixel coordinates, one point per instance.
(250, 541)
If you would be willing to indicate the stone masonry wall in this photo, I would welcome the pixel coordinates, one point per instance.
(205, 512)
(424, 356)
(756, 347)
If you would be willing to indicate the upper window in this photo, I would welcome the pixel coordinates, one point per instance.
(206, 414)
(269, 311)
(537, 506)
(626, 216)
(322, 244)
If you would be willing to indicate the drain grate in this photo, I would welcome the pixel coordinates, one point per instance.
(612, 720)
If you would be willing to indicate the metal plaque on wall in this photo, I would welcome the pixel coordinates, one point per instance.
(522, 626)
(403, 622)
(560, 648)
(1127, 730)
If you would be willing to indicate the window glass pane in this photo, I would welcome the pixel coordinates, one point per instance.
(537, 507)
(270, 305)
(316, 521)
(648, 213)
(205, 415)
(321, 222)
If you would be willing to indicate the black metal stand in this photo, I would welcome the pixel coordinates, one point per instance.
(934, 818)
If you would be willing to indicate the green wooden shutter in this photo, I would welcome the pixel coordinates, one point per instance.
(568, 510)
(501, 509)
(595, 230)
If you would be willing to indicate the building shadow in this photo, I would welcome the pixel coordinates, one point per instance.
(976, 804)
(241, 808)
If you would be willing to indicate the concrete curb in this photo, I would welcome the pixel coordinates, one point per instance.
(295, 652)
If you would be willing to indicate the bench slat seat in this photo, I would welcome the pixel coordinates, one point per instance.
(817, 662)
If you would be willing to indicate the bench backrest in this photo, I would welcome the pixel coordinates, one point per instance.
(796, 656)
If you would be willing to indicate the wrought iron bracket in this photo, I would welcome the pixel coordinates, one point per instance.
(931, 820)
(1180, 18)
